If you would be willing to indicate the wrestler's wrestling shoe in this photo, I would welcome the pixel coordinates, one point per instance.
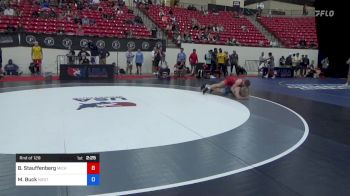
(202, 87)
(205, 90)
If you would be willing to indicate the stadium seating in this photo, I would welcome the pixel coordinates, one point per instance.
(103, 27)
(290, 30)
(232, 25)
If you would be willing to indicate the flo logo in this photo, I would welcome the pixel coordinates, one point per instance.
(102, 102)
(324, 13)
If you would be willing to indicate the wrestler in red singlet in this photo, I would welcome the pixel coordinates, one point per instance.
(230, 81)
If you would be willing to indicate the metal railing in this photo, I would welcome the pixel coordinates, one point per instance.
(199, 7)
(252, 67)
(282, 12)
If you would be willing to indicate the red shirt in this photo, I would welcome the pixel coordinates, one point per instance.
(193, 58)
(230, 81)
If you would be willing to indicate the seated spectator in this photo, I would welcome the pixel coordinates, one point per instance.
(83, 52)
(84, 60)
(210, 37)
(85, 21)
(130, 22)
(282, 61)
(189, 39)
(261, 43)
(95, 2)
(179, 39)
(77, 20)
(71, 56)
(302, 43)
(164, 71)
(20, 28)
(9, 12)
(312, 45)
(165, 18)
(34, 68)
(35, 14)
(288, 61)
(161, 13)
(45, 5)
(202, 9)
(120, 11)
(273, 43)
(311, 71)
(230, 42)
(325, 63)
(179, 68)
(191, 7)
(10, 29)
(11, 68)
(44, 14)
(80, 5)
(171, 12)
(168, 27)
(244, 28)
(215, 12)
(220, 28)
(305, 12)
(173, 19)
(215, 28)
(52, 14)
(92, 21)
(79, 31)
(195, 25)
(61, 31)
(69, 19)
(130, 34)
(205, 13)
(216, 37)
(138, 20)
(121, 3)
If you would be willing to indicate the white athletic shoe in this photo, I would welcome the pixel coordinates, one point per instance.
(212, 77)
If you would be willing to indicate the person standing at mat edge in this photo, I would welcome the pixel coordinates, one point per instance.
(37, 55)
(193, 59)
(348, 79)
(103, 54)
(138, 61)
(1, 73)
(129, 58)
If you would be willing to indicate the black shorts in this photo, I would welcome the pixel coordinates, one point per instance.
(181, 67)
(138, 64)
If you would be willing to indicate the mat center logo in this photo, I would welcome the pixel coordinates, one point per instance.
(103, 102)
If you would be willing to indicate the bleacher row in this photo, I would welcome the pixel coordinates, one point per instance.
(291, 30)
(111, 28)
(288, 30)
(232, 25)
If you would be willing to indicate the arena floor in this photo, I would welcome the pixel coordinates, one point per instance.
(163, 137)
